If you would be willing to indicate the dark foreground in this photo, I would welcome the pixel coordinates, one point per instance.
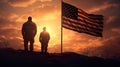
(11, 58)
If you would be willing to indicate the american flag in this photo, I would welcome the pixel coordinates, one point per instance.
(78, 20)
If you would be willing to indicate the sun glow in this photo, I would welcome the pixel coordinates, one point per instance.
(52, 24)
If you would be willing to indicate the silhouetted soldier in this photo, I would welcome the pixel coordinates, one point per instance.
(44, 39)
(29, 31)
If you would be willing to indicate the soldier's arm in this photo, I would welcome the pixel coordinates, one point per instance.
(35, 28)
(40, 37)
(23, 33)
(48, 36)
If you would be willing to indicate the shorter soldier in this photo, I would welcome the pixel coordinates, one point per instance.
(44, 39)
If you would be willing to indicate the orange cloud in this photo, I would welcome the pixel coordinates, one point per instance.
(2, 1)
(21, 3)
(45, 0)
(101, 7)
(117, 30)
(13, 17)
(110, 19)
(78, 42)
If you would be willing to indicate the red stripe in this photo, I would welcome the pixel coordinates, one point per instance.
(84, 15)
(81, 25)
(81, 30)
(88, 19)
(82, 12)
(81, 22)
(93, 24)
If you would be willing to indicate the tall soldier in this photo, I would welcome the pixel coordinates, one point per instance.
(29, 30)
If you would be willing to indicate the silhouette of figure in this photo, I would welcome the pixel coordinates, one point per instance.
(44, 39)
(29, 30)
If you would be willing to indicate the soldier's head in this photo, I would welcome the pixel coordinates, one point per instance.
(29, 18)
(44, 28)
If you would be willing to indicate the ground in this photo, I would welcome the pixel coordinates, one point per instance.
(11, 57)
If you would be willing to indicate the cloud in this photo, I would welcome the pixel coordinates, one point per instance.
(3, 1)
(111, 22)
(21, 3)
(10, 34)
(86, 4)
(110, 19)
(101, 7)
(117, 30)
(10, 22)
(45, 0)
(10, 38)
(13, 16)
(77, 42)
(105, 47)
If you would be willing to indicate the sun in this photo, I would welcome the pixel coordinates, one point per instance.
(49, 30)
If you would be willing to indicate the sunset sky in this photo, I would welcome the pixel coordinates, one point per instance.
(13, 13)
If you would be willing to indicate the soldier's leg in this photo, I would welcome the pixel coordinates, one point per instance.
(46, 45)
(42, 47)
(25, 45)
(31, 44)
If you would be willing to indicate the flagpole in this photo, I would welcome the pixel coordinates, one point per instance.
(61, 30)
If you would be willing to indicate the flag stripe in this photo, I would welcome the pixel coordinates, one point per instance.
(82, 24)
(81, 30)
(88, 20)
(90, 23)
(82, 16)
(82, 12)
(79, 26)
